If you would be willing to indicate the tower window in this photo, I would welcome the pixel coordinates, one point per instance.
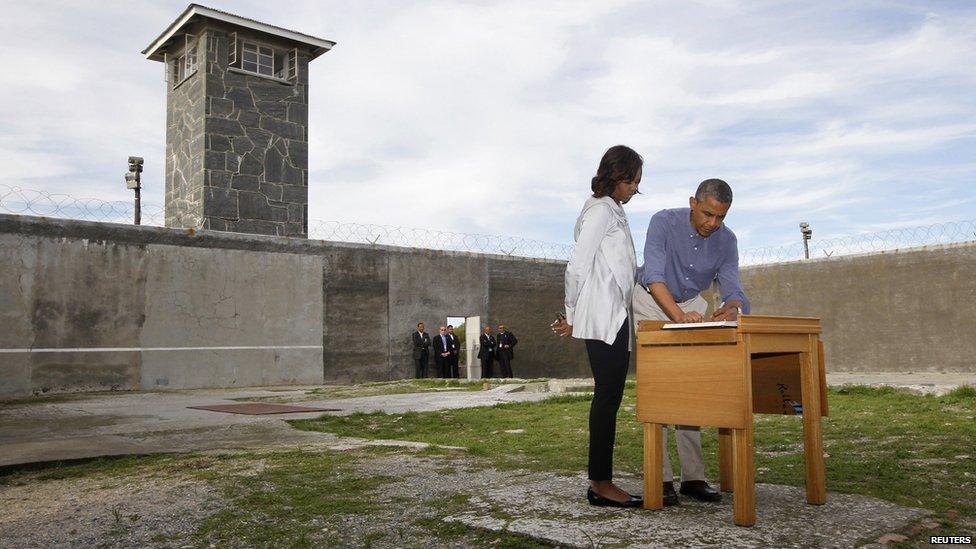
(258, 59)
(262, 60)
(185, 64)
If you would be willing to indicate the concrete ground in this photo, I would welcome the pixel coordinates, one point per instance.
(83, 426)
(106, 424)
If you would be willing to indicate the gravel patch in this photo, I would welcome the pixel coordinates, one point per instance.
(127, 511)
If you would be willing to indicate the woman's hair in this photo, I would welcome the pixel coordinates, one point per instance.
(619, 163)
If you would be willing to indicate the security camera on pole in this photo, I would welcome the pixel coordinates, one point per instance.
(807, 233)
(134, 181)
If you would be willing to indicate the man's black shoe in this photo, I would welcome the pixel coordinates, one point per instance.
(600, 501)
(700, 490)
(670, 498)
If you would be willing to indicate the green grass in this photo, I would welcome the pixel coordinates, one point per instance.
(912, 450)
(283, 504)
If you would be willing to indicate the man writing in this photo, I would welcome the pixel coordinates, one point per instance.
(486, 352)
(421, 344)
(686, 249)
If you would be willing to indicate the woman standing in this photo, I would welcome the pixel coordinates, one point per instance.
(599, 287)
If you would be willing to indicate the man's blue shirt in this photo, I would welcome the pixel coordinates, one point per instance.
(686, 262)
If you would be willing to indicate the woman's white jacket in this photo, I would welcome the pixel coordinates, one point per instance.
(601, 275)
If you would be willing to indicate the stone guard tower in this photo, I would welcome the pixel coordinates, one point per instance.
(236, 122)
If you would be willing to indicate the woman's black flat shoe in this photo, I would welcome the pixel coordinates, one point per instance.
(600, 501)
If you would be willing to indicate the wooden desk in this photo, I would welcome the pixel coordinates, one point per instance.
(720, 377)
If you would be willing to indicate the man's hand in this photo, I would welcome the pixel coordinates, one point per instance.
(689, 317)
(729, 312)
(561, 328)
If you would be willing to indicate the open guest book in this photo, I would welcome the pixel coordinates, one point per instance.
(718, 324)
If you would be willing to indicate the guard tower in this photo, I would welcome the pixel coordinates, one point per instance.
(236, 122)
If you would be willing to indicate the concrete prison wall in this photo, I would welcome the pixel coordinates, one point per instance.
(902, 311)
(96, 306)
(87, 307)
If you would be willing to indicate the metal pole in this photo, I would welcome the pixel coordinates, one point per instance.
(134, 181)
(806, 232)
(138, 208)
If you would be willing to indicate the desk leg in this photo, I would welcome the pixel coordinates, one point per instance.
(812, 432)
(725, 459)
(653, 465)
(744, 477)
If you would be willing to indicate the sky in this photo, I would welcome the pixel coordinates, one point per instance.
(491, 117)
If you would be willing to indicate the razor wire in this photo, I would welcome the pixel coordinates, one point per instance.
(17, 200)
(438, 240)
(952, 232)
(21, 201)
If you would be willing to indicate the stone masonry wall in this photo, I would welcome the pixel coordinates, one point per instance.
(184, 149)
(256, 146)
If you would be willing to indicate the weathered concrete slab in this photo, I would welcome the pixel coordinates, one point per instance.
(783, 519)
(91, 425)
(554, 509)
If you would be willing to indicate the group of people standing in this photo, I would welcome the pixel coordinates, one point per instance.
(447, 350)
(501, 349)
(685, 251)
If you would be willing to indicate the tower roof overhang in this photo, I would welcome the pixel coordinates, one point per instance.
(195, 12)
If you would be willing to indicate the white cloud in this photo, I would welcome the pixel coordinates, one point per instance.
(491, 117)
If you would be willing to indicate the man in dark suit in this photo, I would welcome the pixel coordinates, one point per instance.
(421, 355)
(455, 352)
(486, 352)
(506, 346)
(442, 352)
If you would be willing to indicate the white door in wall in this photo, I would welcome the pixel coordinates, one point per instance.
(472, 329)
